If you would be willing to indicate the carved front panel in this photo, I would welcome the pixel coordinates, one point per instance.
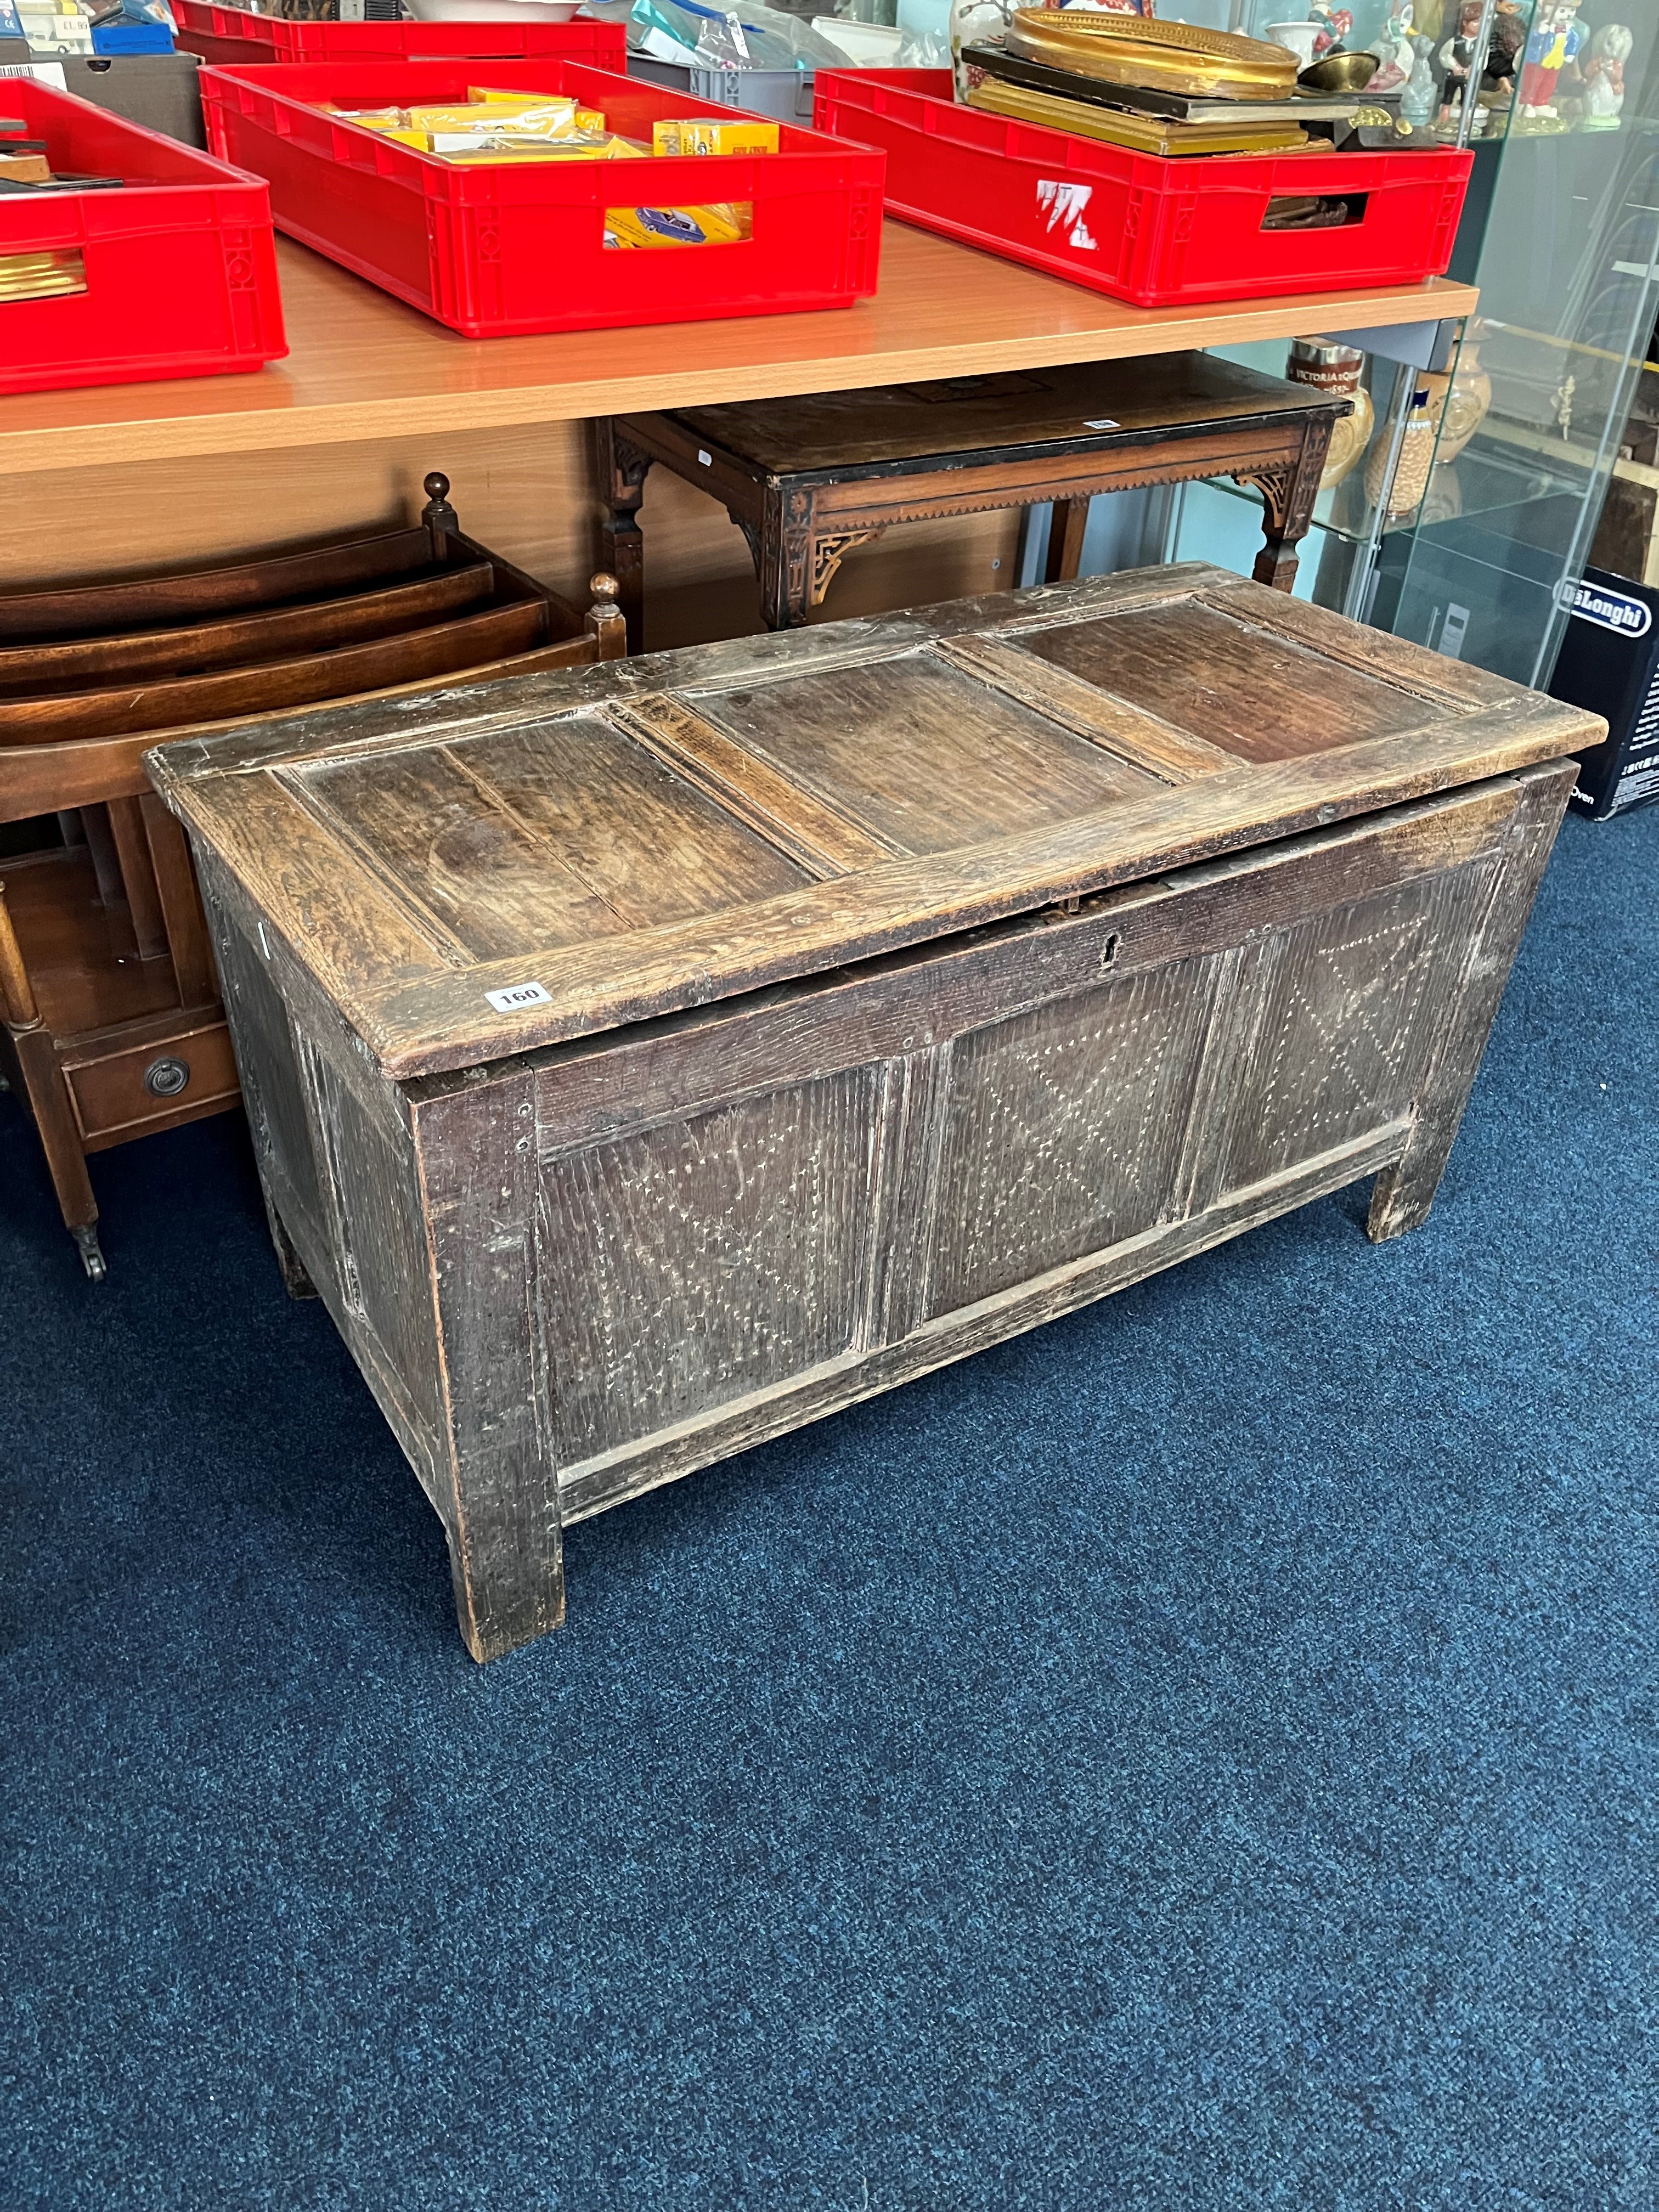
(1348, 1012)
(704, 1259)
(1064, 1129)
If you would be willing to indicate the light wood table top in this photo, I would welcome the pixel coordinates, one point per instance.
(364, 366)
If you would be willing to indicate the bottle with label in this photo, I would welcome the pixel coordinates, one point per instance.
(1329, 367)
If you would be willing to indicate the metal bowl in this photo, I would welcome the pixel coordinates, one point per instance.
(1335, 73)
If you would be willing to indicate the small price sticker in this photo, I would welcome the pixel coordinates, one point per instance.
(1103, 423)
(519, 994)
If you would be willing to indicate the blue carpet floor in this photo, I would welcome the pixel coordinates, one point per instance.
(1200, 1755)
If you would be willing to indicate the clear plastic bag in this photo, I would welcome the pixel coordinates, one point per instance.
(920, 48)
(752, 37)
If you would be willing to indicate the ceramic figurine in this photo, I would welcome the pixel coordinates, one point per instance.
(1331, 27)
(1495, 95)
(1604, 76)
(1456, 58)
(1395, 47)
(1552, 47)
(1416, 100)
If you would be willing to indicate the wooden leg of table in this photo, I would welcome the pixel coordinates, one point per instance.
(106, 871)
(1070, 521)
(126, 823)
(624, 468)
(783, 559)
(796, 560)
(1288, 492)
(1402, 1194)
(49, 1102)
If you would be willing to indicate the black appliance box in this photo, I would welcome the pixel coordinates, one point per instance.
(1609, 662)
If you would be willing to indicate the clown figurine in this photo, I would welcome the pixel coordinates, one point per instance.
(1552, 46)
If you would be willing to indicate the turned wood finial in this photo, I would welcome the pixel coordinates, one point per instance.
(437, 513)
(604, 618)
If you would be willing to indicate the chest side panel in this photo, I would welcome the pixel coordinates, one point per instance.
(1348, 1005)
(339, 1175)
(1096, 1118)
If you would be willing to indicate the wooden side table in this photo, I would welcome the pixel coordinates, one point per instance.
(804, 479)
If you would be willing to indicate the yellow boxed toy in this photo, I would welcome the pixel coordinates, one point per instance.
(699, 134)
(723, 224)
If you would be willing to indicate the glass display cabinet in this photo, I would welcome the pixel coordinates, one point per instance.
(1469, 516)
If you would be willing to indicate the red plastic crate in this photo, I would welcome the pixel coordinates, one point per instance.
(180, 265)
(503, 250)
(234, 36)
(1157, 232)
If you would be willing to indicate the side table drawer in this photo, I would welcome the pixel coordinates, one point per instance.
(122, 1091)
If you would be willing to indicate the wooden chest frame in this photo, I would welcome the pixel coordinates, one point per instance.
(575, 1273)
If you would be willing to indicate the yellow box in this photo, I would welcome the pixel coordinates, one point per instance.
(525, 103)
(699, 134)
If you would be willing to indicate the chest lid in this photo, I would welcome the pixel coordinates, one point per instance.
(481, 871)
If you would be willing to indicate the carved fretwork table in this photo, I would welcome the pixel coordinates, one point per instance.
(804, 479)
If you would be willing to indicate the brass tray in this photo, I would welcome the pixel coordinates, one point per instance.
(1142, 134)
(1138, 49)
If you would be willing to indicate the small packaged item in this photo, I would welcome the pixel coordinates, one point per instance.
(490, 126)
(723, 224)
(538, 114)
(369, 119)
(56, 34)
(510, 149)
(699, 134)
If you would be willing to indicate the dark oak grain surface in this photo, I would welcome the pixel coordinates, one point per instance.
(906, 422)
(855, 788)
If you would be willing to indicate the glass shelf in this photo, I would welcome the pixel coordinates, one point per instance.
(1480, 481)
(1560, 232)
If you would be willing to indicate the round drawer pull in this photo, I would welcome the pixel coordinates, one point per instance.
(165, 1078)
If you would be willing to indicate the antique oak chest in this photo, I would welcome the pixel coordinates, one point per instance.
(644, 1059)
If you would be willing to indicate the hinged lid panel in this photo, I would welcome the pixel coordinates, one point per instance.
(485, 871)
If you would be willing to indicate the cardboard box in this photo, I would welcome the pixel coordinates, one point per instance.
(1609, 662)
(159, 92)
